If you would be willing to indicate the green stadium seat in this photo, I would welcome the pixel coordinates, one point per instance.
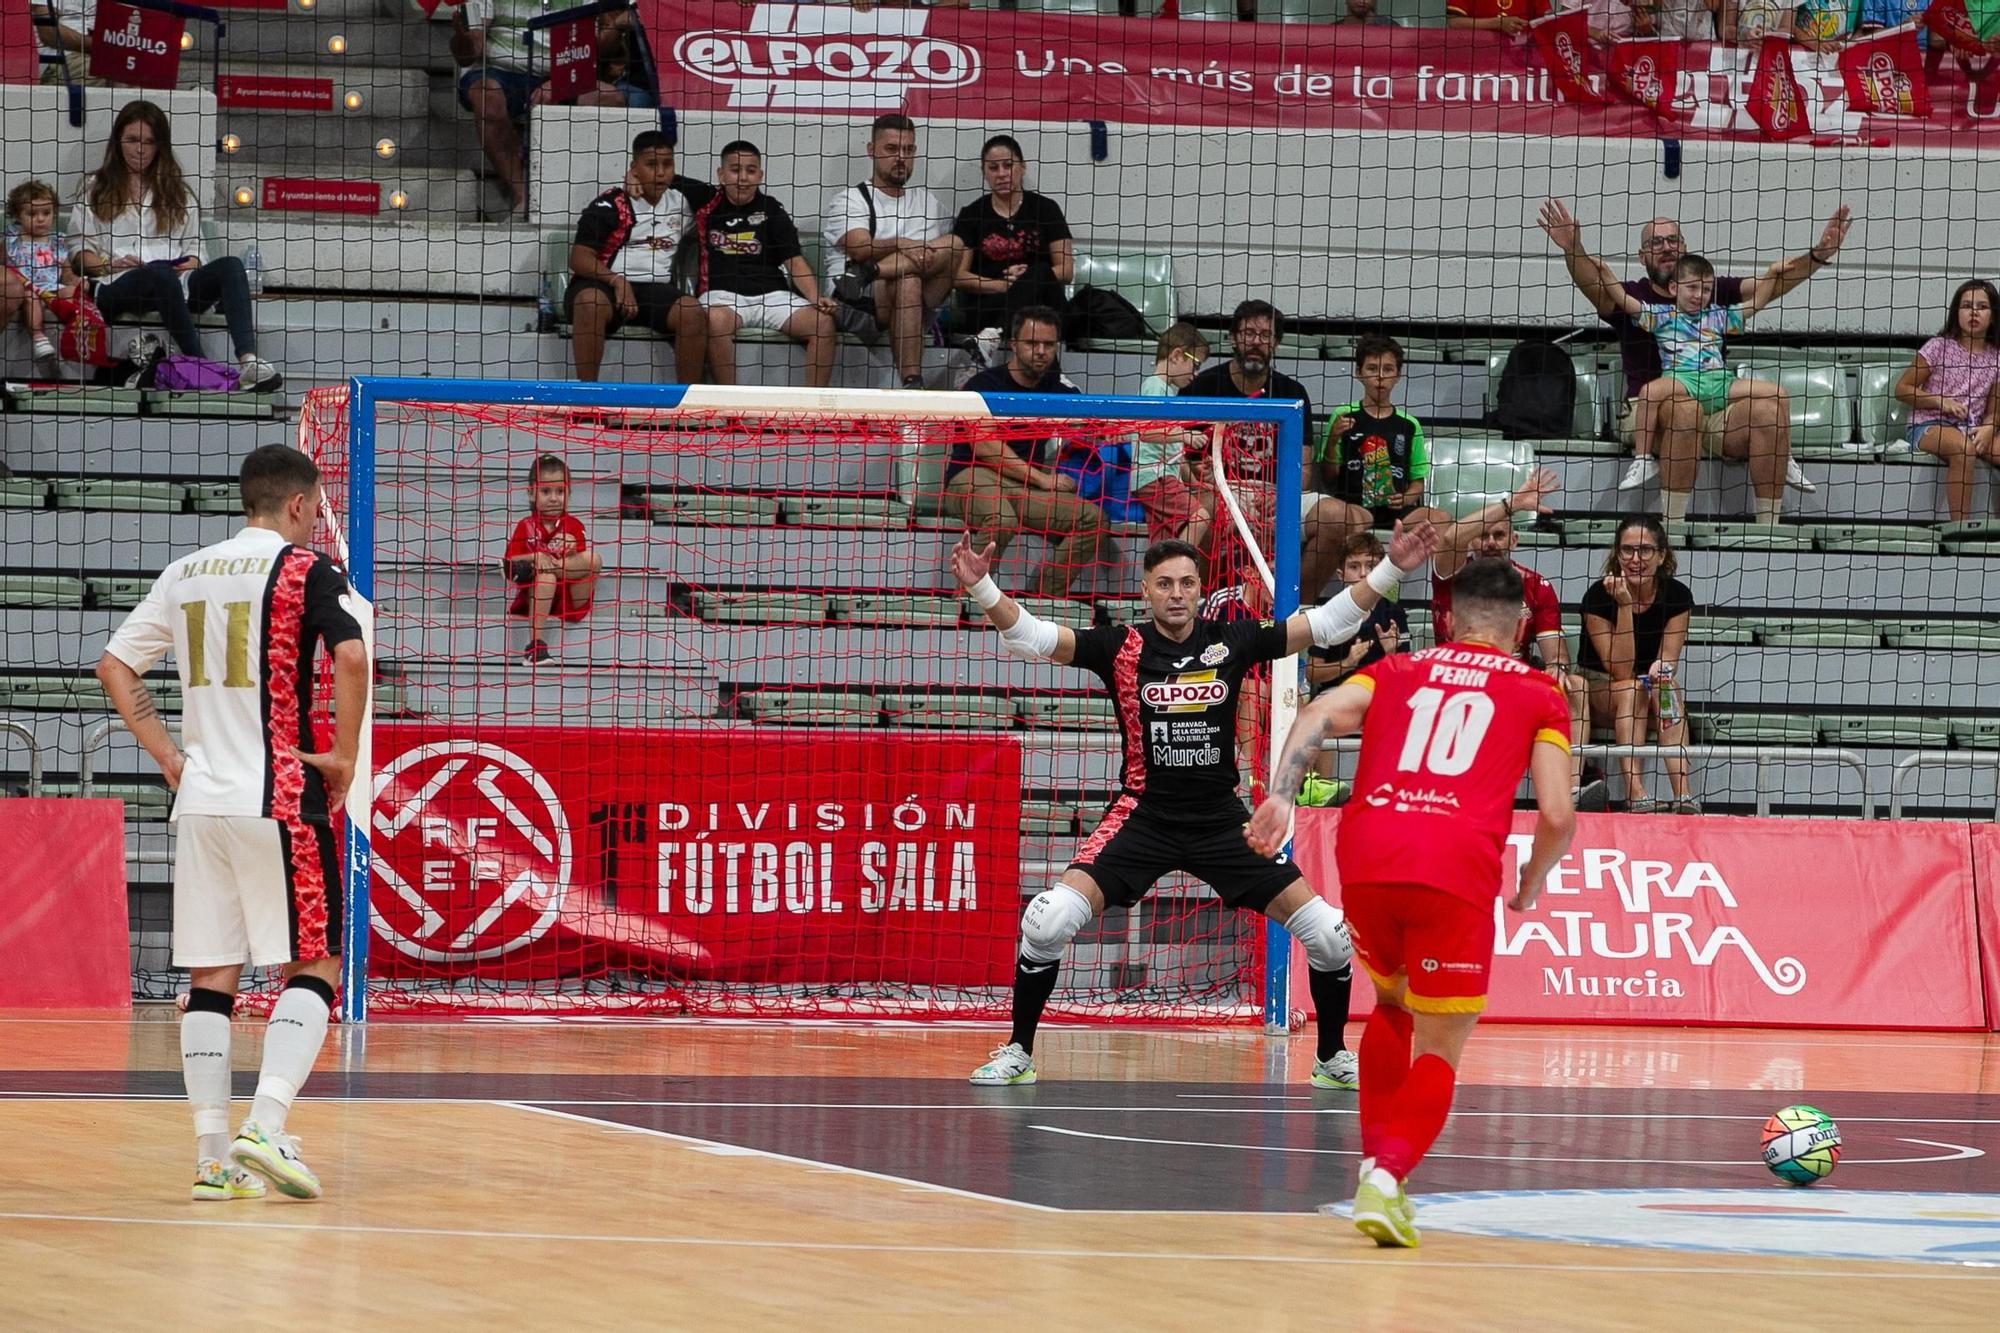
(1144, 279)
(77, 400)
(392, 699)
(23, 492)
(812, 708)
(144, 803)
(1059, 712)
(1469, 472)
(1873, 538)
(1588, 532)
(1747, 537)
(913, 610)
(215, 497)
(1822, 404)
(1126, 610)
(920, 481)
(1714, 629)
(1048, 818)
(1949, 636)
(160, 402)
(118, 592)
(1976, 733)
(120, 493)
(41, 590)
(761, 608)
(1789, 633)
(1972, 536)
(975, 712)
(1056, 610)
(77, 693)
(1884, 419)
(1928, 733)
(1759, 728)
(844, 511)
(677, 507)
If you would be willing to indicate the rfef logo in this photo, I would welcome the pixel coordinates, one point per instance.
(826, 57)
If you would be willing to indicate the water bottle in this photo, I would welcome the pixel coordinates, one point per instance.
(253, 270)
(1668, 701)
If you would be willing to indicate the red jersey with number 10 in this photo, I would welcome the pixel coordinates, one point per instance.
(1443, 748)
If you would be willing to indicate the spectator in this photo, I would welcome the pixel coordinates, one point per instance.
(1001, 488)
(1385, 632)
(1953, 390)
(1613, 19)
(1361, 14)
(138, 227)
(753, 272)
(1823, 25)
(1016, 246)
(622, 265)
(1489, 534)
(1756, 429)
(548, 558)
(1505, 16)
(623, 78)
(1255, 331)
(1372, 462)
(1635, 622)
(1169, 467)
(1688, 20)
(891, 254)
(501, 71)
(1748, 22)
(64, 29)
(38, 269)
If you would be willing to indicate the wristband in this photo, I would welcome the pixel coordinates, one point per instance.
(986, 592)
(1385, 578)
(1814, 256)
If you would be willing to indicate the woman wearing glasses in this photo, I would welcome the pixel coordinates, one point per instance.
(1635, 622)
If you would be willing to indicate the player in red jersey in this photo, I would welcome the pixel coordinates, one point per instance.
(549, 558)
(1445, 736)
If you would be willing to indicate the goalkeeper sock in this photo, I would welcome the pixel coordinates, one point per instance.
(1330, 992)
(1034, 983)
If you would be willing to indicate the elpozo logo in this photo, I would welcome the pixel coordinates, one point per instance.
(805, 57)
(1185, 694)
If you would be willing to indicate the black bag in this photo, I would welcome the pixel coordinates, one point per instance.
(856, 287)
(1100, 313)
(1537, 399)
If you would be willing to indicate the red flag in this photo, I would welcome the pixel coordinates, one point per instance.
(140, 48)
(1884, 73)
(85, 340)
(1647, 70)
(1948, 19)
(1777, 103)
(1171, 9)
(1564, 41)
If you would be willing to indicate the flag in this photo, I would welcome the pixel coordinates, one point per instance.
(1884, 73)
(1777, 103)
(1949, 21)
(139, 48)
(1646, 70)
(572, 58)
(85, 340)
(1564, 41)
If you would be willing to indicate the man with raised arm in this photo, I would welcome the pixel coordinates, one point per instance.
(1174, 680)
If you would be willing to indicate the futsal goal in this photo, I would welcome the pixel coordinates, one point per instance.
(774, 764)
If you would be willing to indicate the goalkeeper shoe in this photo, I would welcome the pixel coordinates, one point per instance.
(214, 1181)
(1009, 1066)
(1342, 1069)
(1317, 791)
(1382, 1211)
(276, 1158)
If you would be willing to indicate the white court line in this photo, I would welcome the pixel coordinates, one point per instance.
(1958, 1152)
(738, 1150)
(1910, 1274)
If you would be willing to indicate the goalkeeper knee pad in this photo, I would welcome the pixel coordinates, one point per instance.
(1051, 922)
(1320, 927)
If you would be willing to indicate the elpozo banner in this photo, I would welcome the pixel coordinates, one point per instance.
(758, 855)
(1006, 67)
(1712, 919)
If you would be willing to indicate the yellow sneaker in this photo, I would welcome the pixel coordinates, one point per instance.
(1383, 1215)
(214, 1182)
(275, 1157)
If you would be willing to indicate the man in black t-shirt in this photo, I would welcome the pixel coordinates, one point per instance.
(753, 272)
(1174, 682)
(1255, 330)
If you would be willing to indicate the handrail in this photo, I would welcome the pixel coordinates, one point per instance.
(1907, 768)
(22, 730)
(86, 759)
(1760, 755)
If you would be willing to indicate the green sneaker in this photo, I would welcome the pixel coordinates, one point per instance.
(1384, 1217)
(276, 1158)
(1317, 791)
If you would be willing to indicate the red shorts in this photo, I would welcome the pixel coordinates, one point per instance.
(1437, 942)
(1169, 504)
(564, 606)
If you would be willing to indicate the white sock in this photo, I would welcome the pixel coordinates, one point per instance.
(1674, 505)
(1769, 510)
(291, 1043)
(43, 347)
(205, 1070)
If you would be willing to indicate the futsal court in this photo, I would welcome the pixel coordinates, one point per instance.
(620, 1173)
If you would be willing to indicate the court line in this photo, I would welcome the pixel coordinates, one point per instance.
(1959, 1152)
(1003, 1251)
(720, 1149)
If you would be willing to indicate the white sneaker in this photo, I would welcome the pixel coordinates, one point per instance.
(255, 374)
(1643, 470)
(1342, 1070)
(1009, 1066)
(275, 1157)
(215, 1182)
(990, 348)
(1796, 478)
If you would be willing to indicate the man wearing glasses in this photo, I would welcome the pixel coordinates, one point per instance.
(1663, 420)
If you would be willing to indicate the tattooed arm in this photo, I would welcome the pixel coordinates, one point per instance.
(1338, 712)
(134, 703)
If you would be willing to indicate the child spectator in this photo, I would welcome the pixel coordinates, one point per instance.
(1168, 470)
(1385, 633)
(1690, 333)
(39, 256)
(1372, 460)
(1635, 623)
(548, 558)
(1823, 25)
(1953, 389)
(621, 265)
(1748, 22)
(753, 272)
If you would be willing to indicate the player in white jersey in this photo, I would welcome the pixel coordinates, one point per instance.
(255, 877)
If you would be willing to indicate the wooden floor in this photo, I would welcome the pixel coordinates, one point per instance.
(674, 1174)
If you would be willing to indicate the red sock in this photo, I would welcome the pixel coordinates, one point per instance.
(1422, 1104)
(1385, 1061)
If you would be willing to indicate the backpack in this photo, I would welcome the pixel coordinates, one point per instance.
(1100, 313)
(178, 373)
(1103, 474)
(1537, 399)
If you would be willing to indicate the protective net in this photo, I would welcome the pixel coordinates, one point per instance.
(774, 762)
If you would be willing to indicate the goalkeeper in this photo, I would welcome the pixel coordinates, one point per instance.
(1175, 683)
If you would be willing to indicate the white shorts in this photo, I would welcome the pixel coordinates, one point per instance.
(768, 311)
(1307, 500)
(256, 891)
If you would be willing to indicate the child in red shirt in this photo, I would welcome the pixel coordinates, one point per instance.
(548, 558)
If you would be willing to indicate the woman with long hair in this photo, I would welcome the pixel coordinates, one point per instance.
(1635, 623)
(138, 231)
(1953, 390)
(1018, 250)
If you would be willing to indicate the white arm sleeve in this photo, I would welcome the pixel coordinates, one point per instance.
(1336, 620)
(1030, 639)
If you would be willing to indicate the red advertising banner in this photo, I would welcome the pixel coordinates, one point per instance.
(140, 48)
(64, 928)
(296, 194)
(1707, 919)
(267, 92)
(1986, 888)
(572, 58)
(1885, 73)
(731, 855)
(998, 65)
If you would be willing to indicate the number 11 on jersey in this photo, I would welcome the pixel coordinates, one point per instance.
(236, 646)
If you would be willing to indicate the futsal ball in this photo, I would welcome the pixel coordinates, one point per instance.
(1801, 1145)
